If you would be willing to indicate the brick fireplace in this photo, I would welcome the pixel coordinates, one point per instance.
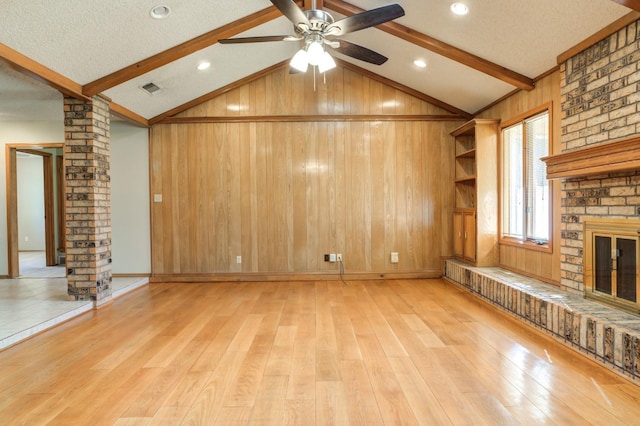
(600, 107)
(599, 174)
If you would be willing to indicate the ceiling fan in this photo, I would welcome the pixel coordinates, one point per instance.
(319, 31)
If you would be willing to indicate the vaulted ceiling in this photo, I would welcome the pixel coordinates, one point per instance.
(86, 47)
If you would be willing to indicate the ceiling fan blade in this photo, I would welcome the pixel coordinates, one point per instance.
(369, 18)
(257, 39)
(360, 52)
(292, 12)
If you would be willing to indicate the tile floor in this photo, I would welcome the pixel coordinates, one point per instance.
(33, 264)
(29, 305)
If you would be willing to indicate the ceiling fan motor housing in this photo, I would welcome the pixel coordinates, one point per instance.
(319, 20)
(317, 29)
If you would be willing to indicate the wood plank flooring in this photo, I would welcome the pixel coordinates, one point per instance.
(308, 353)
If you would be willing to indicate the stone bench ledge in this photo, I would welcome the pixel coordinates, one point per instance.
(610, 336)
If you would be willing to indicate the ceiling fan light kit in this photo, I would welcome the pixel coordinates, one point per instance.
(300, 61)
(312, 54)
(318, 31)
(326, 63)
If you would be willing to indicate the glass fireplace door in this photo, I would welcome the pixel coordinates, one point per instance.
(626, 268)
(603, 264)
(615, 267)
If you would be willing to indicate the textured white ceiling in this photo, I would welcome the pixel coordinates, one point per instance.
(85, 40)
(524, 36)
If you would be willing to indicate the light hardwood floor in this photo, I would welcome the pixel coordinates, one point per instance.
(370, 352)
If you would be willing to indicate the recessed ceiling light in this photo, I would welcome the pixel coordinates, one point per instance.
(459, 8)
(203, 66)
(420, 63)
(160, 12)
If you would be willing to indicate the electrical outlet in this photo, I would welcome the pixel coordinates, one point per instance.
(339, 257)
(326, 257)
(394, 257)
(238, 259)
(332, 257)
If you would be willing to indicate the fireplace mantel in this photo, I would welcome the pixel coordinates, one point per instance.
(610, 157)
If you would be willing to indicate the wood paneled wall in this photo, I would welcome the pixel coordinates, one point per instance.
(535, 263)
(282, 194)
(345, 92)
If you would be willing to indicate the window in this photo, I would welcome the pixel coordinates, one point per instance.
(526, 195)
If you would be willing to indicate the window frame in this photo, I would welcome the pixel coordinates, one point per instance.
(547, 246)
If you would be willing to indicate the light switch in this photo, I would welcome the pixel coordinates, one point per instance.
(157, 198)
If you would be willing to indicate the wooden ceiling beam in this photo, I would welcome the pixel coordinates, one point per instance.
(64, 85)
(441, 48)
(631, 4)
(180, 51)
(33, 69)
(309, 4)
(128, 115)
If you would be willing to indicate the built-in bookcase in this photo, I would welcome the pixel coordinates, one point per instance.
(465, 168)
(476, 189)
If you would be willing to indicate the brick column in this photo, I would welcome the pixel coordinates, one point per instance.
(88, 199)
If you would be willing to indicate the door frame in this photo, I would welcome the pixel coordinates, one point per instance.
(11, 151)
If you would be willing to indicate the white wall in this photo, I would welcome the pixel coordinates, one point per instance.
(130, 216)
(30, 186)
(131, 250)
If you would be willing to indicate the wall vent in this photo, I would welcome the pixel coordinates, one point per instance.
(151, 88)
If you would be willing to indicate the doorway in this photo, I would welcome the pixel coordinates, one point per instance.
(53, 254)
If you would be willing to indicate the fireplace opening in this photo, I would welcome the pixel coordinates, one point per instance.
(611, 262)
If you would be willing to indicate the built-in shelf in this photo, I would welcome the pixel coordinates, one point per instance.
(467, 154)
(466, 179)
(617, 156)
